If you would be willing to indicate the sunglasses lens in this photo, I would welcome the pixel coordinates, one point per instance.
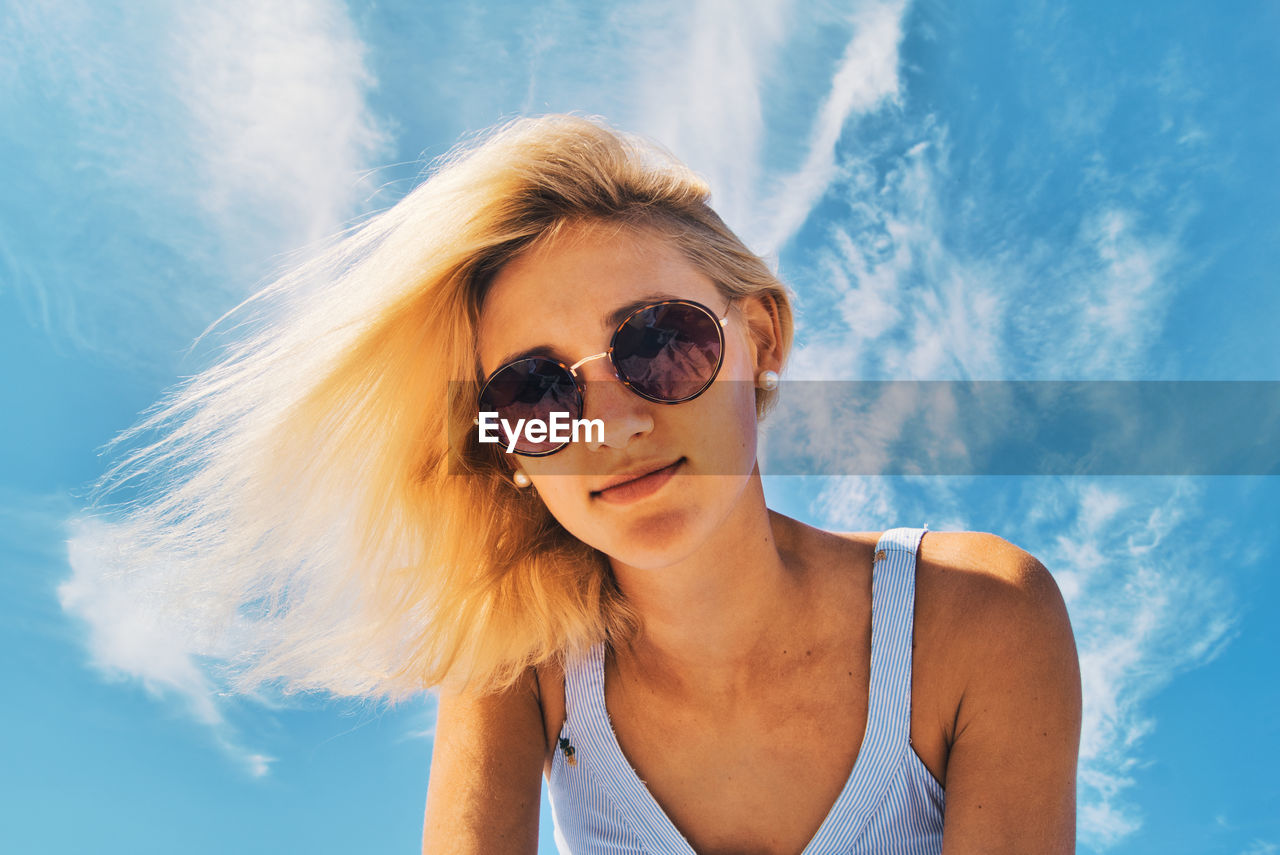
(530, 389)
(669, 352)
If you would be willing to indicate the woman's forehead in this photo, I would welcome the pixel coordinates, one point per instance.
(566, 292)
(607, 255)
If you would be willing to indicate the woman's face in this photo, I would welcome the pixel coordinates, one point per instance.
(558, 298)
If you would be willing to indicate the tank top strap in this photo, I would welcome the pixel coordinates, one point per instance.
(893, 589)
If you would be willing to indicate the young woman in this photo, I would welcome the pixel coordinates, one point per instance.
(691, 671)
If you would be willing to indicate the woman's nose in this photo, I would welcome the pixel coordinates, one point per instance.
(624, 414)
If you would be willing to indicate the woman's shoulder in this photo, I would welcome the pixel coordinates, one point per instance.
(968, 583)
(973, 586)
(969, 564)
(979, 576)
(981, 601)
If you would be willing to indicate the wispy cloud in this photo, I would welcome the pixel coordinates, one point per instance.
(182, 147)
(699, 72)
(425, 726)
(915, 281)
(900, 292)
(1137, 574)
(128, 636)
(277, 118)
(892, 298)
(133, 635)
(1115, 309)
(1261, 847)
(187, 145)
(866, 77)
(703, 74)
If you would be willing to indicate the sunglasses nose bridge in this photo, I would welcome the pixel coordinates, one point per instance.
(573, 369)
(577, 375)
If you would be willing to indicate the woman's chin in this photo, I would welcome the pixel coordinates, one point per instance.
(659, 539)
(658, 527)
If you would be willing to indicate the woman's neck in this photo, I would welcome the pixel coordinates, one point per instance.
(723, 617)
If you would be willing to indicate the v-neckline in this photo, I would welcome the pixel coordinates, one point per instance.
(883, 743)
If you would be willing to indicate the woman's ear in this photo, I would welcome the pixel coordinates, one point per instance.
(764, 325)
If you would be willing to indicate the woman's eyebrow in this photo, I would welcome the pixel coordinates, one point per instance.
(619, 314)
(544, 350)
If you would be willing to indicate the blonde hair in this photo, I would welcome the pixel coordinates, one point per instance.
(304, 489)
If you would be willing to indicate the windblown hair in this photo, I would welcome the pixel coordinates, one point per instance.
(305, 489)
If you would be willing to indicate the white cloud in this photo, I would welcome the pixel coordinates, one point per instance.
(902, 295)
(700, 80)
(893, 298)
(181, 148)
(134, 634)
(1133, 568)
(214, 136)
(259, 764)
(1091, 307)
(1261, 847)
(866, 77)
(130, 635)
(699, 71)
(1105, 824)
(425, 728)
(869, 501)
(279, 125)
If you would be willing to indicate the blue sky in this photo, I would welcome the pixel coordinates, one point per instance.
(1008, 190)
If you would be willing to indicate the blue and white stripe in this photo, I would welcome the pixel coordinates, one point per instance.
(891, 803)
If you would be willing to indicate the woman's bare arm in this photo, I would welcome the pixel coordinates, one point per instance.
(485, 785)
(1011, 771)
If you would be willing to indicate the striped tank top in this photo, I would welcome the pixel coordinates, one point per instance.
(890, 803)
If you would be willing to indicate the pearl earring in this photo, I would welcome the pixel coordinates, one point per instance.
(521, 479)
(767, 380)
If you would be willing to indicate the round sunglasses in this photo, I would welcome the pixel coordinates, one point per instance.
(667, 352)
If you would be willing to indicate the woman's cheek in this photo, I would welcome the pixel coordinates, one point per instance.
(729, 438)
(568, 499)
(556, 497)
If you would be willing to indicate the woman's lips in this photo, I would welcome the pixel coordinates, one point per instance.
(633, 491)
